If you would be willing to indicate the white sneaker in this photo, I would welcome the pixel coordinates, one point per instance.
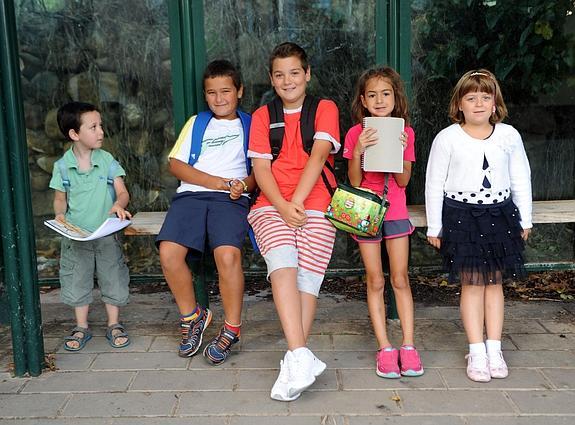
(478, 367)
(280, 388)
(301, 371)
(497, 366)
(318, 366)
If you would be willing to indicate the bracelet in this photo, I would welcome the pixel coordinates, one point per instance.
(245, 185)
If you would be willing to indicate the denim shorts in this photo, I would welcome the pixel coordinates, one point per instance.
(198, 220)
(78, 263)
(391, 229)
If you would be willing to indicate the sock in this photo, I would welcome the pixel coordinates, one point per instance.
(477, 348)
(233, 328)
(388, 348)
(408, 347)
(493, 345)
(300, 351)
(193, 315)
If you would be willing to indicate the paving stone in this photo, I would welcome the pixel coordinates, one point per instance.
(405, 420)
(556, 402)
(346, 403)
(251, 403)
(70, 382)
(544, 341)
(30, 405)
(520, 420)
(562, 378)
(10, 385)
(559, 327)
(523, 326)
(517, 379)
(74, 361)
(243, 360)
(287, 420)
(454, 402)
(436, 312)
(120, 421)
(105, 405)
(356, 343)
(262, 327)
(278, 343)
(368, 380)
(138, 361)
(349, 359)
(263, 380)
(521, 310)
(189, 380)
(99, 344)
(443, 358)
(540, 358)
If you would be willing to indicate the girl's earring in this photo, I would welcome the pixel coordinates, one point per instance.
(494, 109)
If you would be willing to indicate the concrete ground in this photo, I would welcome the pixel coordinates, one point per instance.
(147, 383)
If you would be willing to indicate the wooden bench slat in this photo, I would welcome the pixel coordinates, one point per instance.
(149, 223)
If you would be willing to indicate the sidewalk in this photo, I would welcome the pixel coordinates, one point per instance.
(147, 383)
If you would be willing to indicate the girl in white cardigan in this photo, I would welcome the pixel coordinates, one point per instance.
(478, 204)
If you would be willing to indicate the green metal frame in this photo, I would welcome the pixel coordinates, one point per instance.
(18, 247)
(188, 51)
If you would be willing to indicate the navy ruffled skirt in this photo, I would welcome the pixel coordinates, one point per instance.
(482, 244)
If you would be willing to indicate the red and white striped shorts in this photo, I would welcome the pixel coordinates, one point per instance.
(307, 248)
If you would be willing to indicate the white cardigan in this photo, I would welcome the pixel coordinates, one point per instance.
(455, 164)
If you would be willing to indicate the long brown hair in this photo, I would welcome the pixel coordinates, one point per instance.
(480, 80)
(359, 112)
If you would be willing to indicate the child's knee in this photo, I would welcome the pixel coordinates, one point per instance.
(228, 259)
(400, 281)
(375, 282)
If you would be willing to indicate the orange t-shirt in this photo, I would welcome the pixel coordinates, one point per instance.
(292, 159)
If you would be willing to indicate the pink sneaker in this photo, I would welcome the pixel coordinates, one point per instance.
(410, 361)
(497, 366)
(478, 368)
(387, 363)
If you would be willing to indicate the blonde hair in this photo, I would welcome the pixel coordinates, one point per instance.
(359, 112)
(480, 80)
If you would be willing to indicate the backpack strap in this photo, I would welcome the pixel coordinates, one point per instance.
(63, 174)
(307, 122)
(111, 175)
(198, 129)
(246, 120)
(277, 126)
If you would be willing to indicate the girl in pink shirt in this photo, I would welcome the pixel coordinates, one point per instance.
(380, 93)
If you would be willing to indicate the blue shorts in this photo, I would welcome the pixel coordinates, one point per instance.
(198, 220)
(391, 229)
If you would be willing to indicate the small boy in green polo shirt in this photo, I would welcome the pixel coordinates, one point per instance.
(84, 197)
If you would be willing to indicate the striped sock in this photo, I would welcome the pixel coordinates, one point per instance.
(233, 328)
(193, 315)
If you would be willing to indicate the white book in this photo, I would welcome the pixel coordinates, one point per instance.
(387, 154)
(111, 225)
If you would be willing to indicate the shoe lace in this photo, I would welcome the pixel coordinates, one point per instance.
(283, 376)
(496, 360)
(478, 361)
(224, 340)
(191, 330)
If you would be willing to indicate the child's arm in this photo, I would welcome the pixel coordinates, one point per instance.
(237, 187)
(367, 137)
(292, 213)
(312, 170)
(187, 173)
(402, 179)
(60, 205)
(122, 199)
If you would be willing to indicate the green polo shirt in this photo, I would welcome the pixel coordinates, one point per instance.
(89, 199)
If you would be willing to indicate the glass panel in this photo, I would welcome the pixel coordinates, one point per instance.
(339, 38)
(115, 54)
(530, 48)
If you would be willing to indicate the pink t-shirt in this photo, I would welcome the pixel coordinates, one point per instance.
(375, 181)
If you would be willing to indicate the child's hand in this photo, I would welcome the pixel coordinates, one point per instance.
(236, 188)
(367, 138)
(120, 212)
(403, 140)
(434, 242)
(525, 234)
(293, 214)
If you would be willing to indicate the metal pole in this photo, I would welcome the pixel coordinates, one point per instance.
(19, 173)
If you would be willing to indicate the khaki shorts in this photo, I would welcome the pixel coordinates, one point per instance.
(79, 261)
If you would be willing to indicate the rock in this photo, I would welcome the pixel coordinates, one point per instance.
(109, 90)
(159, 119)
(51, 125)
(45, 85)
(111, 117)
(33, 115)
(38, 142)
(42, 203)
(170, 132)
(138, 142)
(164, 51)
(83, 87)
(30, 65)
(39, 180)
(46, 163)
(133, 115)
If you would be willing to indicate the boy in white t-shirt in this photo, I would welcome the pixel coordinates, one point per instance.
(210, 210)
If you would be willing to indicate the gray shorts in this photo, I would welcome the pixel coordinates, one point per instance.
(79, 261)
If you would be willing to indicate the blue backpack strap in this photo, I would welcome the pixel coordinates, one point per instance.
(246, 120)
(61, 164)
(198, 130)
(111, 175)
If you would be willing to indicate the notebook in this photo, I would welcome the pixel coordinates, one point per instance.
(387, 154)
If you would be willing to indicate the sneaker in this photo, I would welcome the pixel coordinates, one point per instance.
(301, 371)
(192, 333)
(387, 362)
(410, 361)
(280, 388)
(218, 350)
(497, 366)
(318, 367)
(478, 368)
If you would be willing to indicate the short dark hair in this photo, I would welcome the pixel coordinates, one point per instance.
(286, 50)
(222, 68)
(70, 116)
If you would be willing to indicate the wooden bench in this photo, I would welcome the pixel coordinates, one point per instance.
(149, 223)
